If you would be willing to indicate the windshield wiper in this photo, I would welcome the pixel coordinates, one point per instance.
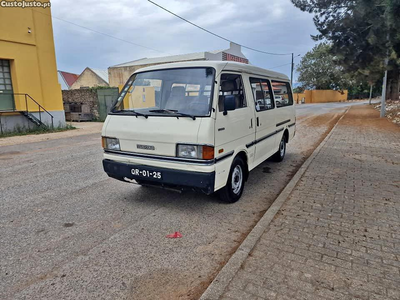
(186, 115)
(173, 112)
(135, 113)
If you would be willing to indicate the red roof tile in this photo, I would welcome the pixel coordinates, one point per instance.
(69, 78)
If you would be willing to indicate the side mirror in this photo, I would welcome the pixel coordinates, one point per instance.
(229, 103)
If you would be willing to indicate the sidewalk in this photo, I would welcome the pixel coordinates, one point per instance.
(338, 234)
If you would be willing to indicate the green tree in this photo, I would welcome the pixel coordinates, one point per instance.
(318, 70)
(362, 33)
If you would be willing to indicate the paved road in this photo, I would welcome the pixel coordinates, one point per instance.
(70, 232)
(317, 109)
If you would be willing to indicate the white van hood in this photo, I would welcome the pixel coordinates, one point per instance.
(141, 135)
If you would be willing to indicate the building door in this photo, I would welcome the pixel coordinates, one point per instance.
(106, 98)
(6, 90)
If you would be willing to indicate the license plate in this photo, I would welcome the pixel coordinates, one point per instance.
(146, 173)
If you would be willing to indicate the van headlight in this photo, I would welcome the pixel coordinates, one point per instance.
(110, 143)
(195, 151)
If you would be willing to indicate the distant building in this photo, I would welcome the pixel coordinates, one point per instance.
(28, 70)
(120, 73)
(66, 79)
(91, 78)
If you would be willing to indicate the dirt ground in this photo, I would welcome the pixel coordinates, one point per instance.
(392, 110)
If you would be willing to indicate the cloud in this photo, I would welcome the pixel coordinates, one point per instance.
(273, 26)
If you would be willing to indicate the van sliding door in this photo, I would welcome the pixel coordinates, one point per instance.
(265, 142)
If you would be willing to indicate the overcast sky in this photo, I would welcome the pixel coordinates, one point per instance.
(268, 25)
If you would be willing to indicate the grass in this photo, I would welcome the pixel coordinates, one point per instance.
(38, 130)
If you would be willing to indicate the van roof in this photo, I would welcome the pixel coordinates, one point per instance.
(219, 66)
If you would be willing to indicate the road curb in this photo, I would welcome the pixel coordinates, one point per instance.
(217, 287)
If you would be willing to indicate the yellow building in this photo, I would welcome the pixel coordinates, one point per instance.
(28, 73)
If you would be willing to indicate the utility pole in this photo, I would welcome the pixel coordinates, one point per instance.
(370, 94)
(291, 78)
(383, 100)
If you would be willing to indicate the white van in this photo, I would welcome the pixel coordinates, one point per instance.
(198, 125)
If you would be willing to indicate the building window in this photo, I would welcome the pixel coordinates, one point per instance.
(5, 76)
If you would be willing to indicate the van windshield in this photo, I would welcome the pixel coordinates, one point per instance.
(171, 92)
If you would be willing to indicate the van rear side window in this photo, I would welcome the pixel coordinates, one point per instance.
(262, 94)
(283, 93)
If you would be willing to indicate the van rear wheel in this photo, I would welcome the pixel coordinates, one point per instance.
(233, 190)
(280, 154)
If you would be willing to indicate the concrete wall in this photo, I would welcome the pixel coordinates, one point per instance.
(88, 79)
(12, 121)
(321, 96)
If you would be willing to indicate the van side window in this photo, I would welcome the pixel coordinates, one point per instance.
(283, 93)
(231, 84)
(262, 94)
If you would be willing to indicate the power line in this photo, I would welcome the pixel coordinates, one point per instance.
(284, 64)
(279, 66)
(102, 33)
(214, 34)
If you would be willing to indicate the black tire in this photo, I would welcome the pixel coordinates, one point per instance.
(233, 190)
(280, 154)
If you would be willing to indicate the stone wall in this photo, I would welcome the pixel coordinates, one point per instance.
(83, 96)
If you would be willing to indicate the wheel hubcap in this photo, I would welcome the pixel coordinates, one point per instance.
(282, 148)
(237, 179)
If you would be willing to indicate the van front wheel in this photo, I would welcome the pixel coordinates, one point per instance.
(233, 190)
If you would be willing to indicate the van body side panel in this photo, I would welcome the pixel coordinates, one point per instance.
(285, 117)
(205, 134)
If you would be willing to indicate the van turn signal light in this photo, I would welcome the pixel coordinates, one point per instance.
(208, 152)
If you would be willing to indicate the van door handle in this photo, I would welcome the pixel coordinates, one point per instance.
(251, 123)
(258, 122)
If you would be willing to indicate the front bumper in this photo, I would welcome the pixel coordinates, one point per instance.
(170, 178)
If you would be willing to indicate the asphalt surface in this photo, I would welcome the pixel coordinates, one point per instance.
(70, 232)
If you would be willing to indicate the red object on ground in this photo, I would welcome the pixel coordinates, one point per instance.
(175, 235)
